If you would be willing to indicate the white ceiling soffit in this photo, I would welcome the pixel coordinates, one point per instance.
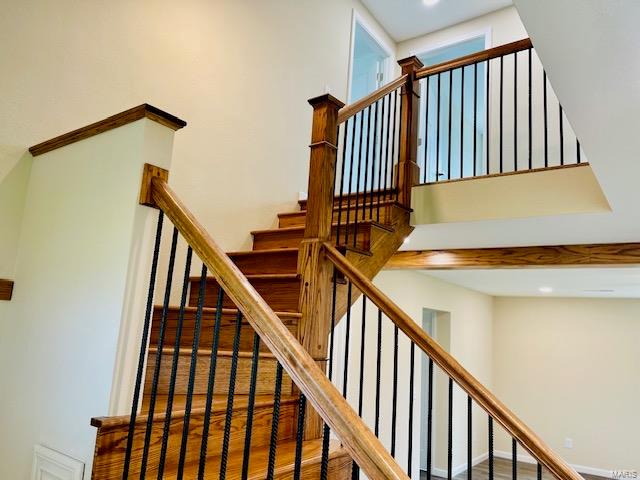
(565, 282)
(405, 19)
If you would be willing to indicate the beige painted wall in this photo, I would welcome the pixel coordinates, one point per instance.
(239, 71)
(569, 368)
(468, 338)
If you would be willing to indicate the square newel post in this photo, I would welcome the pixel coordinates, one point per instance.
(408, 170)
(314, 269)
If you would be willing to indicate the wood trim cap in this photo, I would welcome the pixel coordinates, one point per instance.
(327, 97)
(118, 120)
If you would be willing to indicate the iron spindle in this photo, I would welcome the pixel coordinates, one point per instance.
(577, 150)
(438, 129)
(515, 111)
(374, 156)
(275, 423)
(530, 112)
(347, 337)
(486, 127)
(381, 172)
(366, 166)
(174, 364)
(394, 402)
(491, 448)
(192, 371)
(255, 360)
(357, 187)
(449, 121)
(469, 437)
(546, 133)
(159, 354)
(351, 165)
(450, 433)
(213, 359)
(514, 459)
(143, 347)
(475, 117)
(378, 373)
(342, 175)
(393, 140)
(412, 361)
(302, 409)
(501, 109)
(232, 389)
(430, 421)
(426, 133)
(539, 471)
(462, 125)
(363, 331)
(561, 120)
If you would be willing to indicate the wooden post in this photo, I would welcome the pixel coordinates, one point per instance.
(314, 269)
(408, 171)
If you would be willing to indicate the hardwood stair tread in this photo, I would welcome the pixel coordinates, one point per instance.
(259, 458)
(219, 404)
(207, 352)
(227, 311)
(334, 225)
(260, 276)
(360, 204)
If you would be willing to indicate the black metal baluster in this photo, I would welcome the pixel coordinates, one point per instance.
(514, 461)
(355, 471)
(450, 433)
(250, 407)
(302, 410)
(350, 182)
(366, 166)
(232, 390)
(578, 150)
(347, 339)
(491, 448)
(530, 113)
(342, 175)
(469, 438)
(159, 354)
(412, 362)
(393, 140)
(515, 111)
(192, 371)
(438, 129)
(546, 133)
(475, 117)
(213, 362)
(378, 373)
(275, 423)
(430, 421)
(462, 125)
(539, 472)
(450, 123)
(174, 364)
(394, 185)
(374, 156)
(426, 134)
(143, 348)
(561, 120)
(394, 405)
(355, 207)
(501, 109)
(382, 172)
(486, 127)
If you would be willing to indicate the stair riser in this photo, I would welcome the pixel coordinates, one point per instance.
(264, 385)
(282, 295)
(268, 262)
(385, 216)
(111, 442)
(288, 239)
(227, 330)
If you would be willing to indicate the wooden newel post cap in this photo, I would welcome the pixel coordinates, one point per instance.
(410, 64)
(325, 99)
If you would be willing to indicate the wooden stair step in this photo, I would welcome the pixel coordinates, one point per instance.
(346, 214)
(378, 195)
(339, 463)
(267, 364)
(256, 262)
(227, 327)
(113, 432)
(292, 236)
(280, 291)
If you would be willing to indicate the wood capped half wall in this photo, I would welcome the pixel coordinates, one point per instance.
(593, 255)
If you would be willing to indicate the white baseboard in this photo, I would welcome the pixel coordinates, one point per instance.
(526, 458)
(458, 469)
(53, 465)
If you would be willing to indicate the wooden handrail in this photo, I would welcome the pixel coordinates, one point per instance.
(350, 110)
(487, 400)
(495, 52)
(357, 438)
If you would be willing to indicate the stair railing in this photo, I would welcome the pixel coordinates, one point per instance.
(347, 368)
(154, 452)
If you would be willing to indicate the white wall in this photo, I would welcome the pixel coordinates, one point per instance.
(469, 340)
(239, 71)
(569, 369)
(82, 236)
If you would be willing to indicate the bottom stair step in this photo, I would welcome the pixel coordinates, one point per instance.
(339, 463)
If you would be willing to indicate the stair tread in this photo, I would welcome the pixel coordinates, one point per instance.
(334, 225)
(219, 404)
(207, 352)
(259, 459)
(259, 276)
(360, 204)
(229, 311)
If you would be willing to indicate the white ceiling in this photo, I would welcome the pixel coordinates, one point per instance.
(566, 282)
(405, 19)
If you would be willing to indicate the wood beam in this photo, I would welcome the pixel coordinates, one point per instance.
(590, 255)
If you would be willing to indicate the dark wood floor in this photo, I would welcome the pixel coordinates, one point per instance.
(502, 471)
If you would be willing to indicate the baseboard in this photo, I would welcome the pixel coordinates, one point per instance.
(458, 469)
(526, 458)
(54, 465)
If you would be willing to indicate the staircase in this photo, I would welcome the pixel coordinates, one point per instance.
(271, 267)
(238, 374)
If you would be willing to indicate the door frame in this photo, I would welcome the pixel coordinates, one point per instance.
(358, 19)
